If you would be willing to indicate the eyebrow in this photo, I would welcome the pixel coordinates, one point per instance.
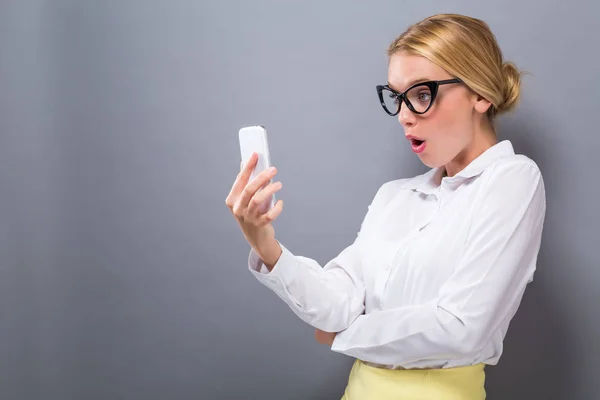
(412, 82)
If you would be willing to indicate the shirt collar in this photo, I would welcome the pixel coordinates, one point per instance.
(429, 182)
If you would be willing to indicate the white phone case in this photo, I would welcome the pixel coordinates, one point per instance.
(254, 139)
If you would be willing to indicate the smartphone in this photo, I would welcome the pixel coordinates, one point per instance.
(253, 139)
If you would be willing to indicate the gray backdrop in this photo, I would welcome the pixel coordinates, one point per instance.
(122, 273)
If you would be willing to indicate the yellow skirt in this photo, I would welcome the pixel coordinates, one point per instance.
(370, 383)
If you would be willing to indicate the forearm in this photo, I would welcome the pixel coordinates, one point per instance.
(401, 336)
(328, 298)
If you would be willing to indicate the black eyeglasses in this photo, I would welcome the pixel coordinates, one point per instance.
(418, 98)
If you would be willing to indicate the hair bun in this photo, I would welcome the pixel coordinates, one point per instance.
(512, 87)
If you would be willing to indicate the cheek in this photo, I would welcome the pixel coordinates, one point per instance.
(448, 130)
(451, 119)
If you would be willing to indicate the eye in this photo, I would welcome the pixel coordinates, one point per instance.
(394, 97)
(424, 96)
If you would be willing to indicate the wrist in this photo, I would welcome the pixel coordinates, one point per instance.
(270, 253)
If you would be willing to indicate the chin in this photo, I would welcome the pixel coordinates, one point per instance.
(430, 162)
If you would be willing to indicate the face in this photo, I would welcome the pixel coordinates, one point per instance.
(448, 133)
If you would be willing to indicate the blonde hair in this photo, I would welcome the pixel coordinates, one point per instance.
(466, 48)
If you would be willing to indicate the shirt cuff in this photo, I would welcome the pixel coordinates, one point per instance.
(340, 344)
(282, 274)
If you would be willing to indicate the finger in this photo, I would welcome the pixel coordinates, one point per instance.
(246, 170)
(262, 196)
(242, 179)
(273, 213)
(251, 188)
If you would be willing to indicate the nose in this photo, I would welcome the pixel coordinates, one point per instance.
(406, 117)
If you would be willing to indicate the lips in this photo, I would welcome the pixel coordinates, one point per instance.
(417, 145)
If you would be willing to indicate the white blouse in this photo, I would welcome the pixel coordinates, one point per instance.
(436, 272)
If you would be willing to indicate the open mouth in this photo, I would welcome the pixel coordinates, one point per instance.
(417, 145)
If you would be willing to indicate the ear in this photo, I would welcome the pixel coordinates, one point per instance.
(481, 104)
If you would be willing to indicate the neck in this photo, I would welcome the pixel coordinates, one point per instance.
(480, 143)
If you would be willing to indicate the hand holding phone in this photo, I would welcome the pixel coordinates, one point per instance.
(247, 196)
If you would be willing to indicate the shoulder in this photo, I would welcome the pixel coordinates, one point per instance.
(514, 171)
(512, 183)
(390, 189)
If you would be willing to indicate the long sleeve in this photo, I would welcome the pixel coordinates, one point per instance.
(329, 298)
(484, 291)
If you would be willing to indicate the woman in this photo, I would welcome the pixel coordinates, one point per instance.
(424, 295)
